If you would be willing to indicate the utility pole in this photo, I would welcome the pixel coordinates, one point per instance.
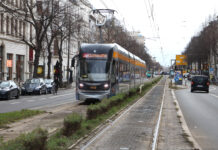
(101, 19)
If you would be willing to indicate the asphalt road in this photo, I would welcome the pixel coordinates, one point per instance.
(200, 111)
(45, 101)
(134, 129)
(38, 101)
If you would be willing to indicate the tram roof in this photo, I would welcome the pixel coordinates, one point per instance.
(109, 46)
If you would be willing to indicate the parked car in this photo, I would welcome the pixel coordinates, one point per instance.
(49, 85)
(34, 86)
(9, 89)
(200, 82)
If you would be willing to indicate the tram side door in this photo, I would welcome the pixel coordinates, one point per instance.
(114, 82)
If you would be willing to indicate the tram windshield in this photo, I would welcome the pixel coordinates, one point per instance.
(94, 70)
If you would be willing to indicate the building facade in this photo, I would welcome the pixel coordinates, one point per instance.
(14, 54)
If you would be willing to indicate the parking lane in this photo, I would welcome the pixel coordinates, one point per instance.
(39, 101)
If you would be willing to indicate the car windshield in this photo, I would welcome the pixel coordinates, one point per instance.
(33, 81)
(94, 70)
(4, 84)
(48, 81)
(199, 79)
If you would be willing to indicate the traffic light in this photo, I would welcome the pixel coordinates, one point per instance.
(57, 69)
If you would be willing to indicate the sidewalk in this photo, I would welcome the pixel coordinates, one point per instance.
(171, 134)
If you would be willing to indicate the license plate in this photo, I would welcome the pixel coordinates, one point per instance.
(200, 86)
(93, 87)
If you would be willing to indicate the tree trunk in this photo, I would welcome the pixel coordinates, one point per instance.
(49, 63)
(36, 62)
(61, 62)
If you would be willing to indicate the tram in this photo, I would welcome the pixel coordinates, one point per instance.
(103, 70)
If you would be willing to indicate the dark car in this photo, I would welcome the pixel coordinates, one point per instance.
(49, 85)
(200, 82)
(9, 89)
(34, 86)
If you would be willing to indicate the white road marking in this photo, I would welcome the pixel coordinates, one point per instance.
(60, 95)
(124, 148)
(214, 95)
(15, 103)
(213, 89)
(31, 100)
(42, 99)
(156, 131)
(46, 106)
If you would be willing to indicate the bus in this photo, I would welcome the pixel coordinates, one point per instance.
(103, 70)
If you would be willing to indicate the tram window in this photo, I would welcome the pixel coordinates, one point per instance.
(94, 69)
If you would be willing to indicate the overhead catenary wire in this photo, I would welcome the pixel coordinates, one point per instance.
(153, 24)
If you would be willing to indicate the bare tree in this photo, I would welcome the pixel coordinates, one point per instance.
(203, 46)
(68, 27)
(38, 15)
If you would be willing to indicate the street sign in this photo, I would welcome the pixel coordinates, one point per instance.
(181, 60)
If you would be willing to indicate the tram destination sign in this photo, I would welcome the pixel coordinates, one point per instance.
(88, 55)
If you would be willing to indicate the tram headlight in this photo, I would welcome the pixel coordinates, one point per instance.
(106, 85)
(81, 85)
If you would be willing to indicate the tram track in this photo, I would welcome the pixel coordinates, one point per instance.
(100, 131)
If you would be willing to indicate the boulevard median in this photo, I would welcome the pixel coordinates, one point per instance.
(76, 126)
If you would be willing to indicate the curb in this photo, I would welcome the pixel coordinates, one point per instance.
(185, 128)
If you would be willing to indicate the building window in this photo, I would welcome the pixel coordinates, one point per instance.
(2, 23)
(12, 26)
(24, 30)
(7, 25)
(20, 28)
(19, 67)
(21, 4)
(9, 66)
(15, 27)
(16, 1)
(31, 34)
(56, 46)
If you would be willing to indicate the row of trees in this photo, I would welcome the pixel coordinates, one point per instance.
(53, 23)
(116, 33)
(202, 49)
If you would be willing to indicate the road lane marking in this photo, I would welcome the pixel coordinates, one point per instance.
(213, 95)
(31, 100)
(61, 95)
(42, 99)
(55, 105)
(213, 89)
(156, 131)
(15, 103)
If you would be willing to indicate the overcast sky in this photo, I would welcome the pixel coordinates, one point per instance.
(174, 21)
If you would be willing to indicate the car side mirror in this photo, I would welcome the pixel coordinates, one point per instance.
(41, 83)
(11, 86)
